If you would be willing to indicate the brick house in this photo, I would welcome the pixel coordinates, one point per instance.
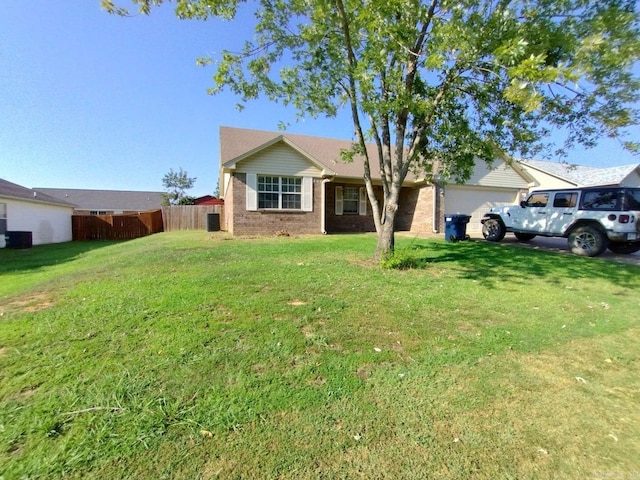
(279, 182)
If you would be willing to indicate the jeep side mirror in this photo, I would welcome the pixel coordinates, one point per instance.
(523, 203)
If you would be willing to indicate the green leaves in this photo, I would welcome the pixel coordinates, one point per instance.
(438, 83)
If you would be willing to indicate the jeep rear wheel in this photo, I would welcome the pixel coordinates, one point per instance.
(524, 237)
(626, 248)
(587, 241)
(493, 230)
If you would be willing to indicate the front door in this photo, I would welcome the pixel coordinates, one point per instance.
(533, 216)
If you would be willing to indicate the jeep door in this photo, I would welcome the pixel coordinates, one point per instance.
(561, 212)
(532, 217)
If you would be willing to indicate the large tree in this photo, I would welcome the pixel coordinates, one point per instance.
(175, 184)
(439, 84)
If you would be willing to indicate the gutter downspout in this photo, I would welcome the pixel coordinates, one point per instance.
(323, 195)
(434, 224)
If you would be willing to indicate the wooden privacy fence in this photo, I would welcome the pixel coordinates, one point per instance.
(116, 227)
(188, 217)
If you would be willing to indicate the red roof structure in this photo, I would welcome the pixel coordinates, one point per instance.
(208, 200)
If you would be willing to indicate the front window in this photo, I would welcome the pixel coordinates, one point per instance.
(279, 192)
(537, 200)
(350, 200)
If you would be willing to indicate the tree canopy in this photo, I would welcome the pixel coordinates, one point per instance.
(437, 85)
(176, 183)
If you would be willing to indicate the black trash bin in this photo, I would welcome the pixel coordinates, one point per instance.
(17, 239)
(455, 227)
(213, 222)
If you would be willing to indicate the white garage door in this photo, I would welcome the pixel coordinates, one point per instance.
(476, 202)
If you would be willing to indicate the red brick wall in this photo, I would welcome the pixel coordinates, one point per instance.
(269, 222)
(419, 202)
(415, 213)
(346, 223)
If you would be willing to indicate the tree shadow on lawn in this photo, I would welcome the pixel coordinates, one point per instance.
(489, 263)
(39, 256)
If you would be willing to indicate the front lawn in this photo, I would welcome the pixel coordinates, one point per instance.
(192, 355)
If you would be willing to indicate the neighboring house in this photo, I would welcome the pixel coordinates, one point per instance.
(273, 182)
(564, 175)
(208, 200)
(106, 202)
(22, 209)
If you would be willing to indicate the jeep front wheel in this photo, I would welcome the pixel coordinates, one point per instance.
(493, 230)
(587, 241)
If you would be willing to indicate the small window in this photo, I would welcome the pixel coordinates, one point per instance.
(565, 200)
(3, 218)
(97, 212)
(350, 199)
(537, 200)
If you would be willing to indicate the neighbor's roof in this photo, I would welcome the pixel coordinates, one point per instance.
(581, 175)
(237, 144)
(106, 199)
(15, 191)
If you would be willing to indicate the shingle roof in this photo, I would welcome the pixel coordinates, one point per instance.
(582, 175)
(106, 199)
(13, 190)
(237, 143)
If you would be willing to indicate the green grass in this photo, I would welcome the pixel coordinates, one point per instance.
(191, 355)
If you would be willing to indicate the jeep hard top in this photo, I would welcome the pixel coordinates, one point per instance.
(592, 219)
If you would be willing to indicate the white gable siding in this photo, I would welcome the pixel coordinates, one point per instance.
(501, 175)
(281, 160)
(47, 223)
(632, 180)
(545, 180)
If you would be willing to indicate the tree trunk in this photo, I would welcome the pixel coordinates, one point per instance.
(386, 236)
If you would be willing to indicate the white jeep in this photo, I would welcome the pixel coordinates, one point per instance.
(593, 219)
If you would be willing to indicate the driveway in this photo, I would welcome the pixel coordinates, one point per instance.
(560, 245)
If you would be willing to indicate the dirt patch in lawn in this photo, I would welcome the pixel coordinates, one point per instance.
(29, 304)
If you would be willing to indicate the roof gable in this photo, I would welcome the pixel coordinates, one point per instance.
(581, 175)
(237, 144)
(500, 174)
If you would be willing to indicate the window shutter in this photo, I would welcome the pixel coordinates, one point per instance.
(362, 207)
(307, 194)
(252, 194)
(338, 200)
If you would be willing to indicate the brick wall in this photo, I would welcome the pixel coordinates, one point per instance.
(415, 213)
(269, 222)
(419, 205)
(347, 223)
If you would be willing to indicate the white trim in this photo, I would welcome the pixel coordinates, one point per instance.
(362, 204)
(252, 194)
(307, 194)
(339, 201)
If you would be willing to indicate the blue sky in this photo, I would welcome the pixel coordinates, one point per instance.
(90, 100)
